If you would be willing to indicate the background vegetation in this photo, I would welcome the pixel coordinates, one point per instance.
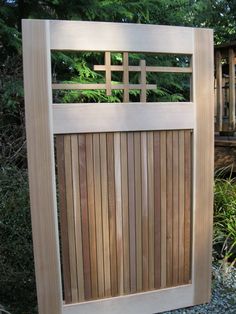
(17, 283)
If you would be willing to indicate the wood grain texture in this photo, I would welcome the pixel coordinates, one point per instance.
(77, 216)
(112, 211)
(203, 164)
(84, 216)
(98, 213)
(159, 184)
(135, 208)
(63, 218)
(105, 215)
(91, 214)
(41, 164)
(110, 37)
(82, 118)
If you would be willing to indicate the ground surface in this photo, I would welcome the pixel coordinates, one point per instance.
(223, 294)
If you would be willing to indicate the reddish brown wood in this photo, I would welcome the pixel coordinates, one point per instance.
(63, 218)
(157, 210)
(84, 216)
(112, 211)
(132, 231)
(187, 208)
(91, 214)
(169, 208)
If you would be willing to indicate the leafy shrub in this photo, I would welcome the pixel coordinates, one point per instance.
(17, 283)
(225, 218)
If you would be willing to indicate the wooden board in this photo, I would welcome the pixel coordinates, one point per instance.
(136, 211)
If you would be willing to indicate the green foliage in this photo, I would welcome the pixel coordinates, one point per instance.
(17, 283)
(225, 218)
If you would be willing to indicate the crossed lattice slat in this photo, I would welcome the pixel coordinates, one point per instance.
(126, 86)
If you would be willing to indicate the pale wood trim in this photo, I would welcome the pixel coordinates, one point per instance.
(219, 96)
(203, 159)
(108, 86)
(139, 303)
(125, 67)
(231, 90)
(137, 68)
(41, 166)
(100, 36)
(76, 118)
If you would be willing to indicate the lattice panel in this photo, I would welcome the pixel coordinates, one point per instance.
(126, 69)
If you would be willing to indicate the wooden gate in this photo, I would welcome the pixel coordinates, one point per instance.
(135, 179)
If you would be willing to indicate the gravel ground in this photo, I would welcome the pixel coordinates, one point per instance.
(223, 295)
(223, 299)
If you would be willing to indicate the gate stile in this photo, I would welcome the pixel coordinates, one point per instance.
(135, 179)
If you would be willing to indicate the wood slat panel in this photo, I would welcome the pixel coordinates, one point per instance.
(159, 185)
(145, 227)
(84, 216)
(119, 216)
(105, 215)
(132, 216)
(130, 211)
(151, 213)
(187, 205)
(91, 214)
(169, 208)
(70, 217)
(181, 207)
(77, 216)
(175, 181)
(98, 213)
(112, 211)
(138, 207)
(125, 208)
(63, 217)
(163, 179)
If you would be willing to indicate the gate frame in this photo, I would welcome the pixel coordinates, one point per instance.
(41, 36)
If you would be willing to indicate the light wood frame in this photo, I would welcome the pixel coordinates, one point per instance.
(43, 119)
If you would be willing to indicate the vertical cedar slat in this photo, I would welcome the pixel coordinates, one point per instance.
(125, 207)
(77, 216)
(119, 225)
(132, 217)
(175, 267)
(84, 216)
(159, 186)
(126, 76)
(151, 210)
(63, 217)
(231, 89)
(138, 207)
(70, 217)
(181, 207)
(98, 213)
(112, 211)
(145, 230)
(169, 211)
(105, 218)
(163, 208)
(91, 214)
(187, 203)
